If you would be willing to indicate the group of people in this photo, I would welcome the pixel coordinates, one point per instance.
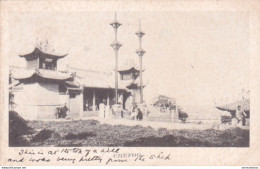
(62, 111)
(135, 114)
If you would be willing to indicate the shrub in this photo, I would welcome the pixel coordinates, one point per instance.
(43, 135)
(183, 116)
(226, 119)
(80, 136)
(17, 128)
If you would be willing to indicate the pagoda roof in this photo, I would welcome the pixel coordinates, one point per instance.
(72, 84)
(22, 74)
(134, 85)
(14, 84)
(245, 105)
(36, 53)
(128, 70)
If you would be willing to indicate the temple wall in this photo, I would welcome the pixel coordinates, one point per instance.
(76, 106)
(128, 103)
(137, 95)
(38, 101)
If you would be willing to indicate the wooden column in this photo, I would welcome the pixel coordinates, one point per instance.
(81, 104)
(176, 116)
(94, 100)
(108, 98)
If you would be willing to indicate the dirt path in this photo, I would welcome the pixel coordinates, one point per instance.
(157, 125)
(153, 124)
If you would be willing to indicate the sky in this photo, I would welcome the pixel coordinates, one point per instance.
(197, 57)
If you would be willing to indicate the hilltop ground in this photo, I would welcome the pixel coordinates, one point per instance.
(97, 133)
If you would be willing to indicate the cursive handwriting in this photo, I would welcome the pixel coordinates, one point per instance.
(107, 156)
(94, 158)
(160, 156)
(16, 160)
(110, 160)
(64, 159)
(39, 160)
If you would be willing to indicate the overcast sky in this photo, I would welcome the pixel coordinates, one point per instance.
(196, 57)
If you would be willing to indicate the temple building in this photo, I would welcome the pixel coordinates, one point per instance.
(37, 90)
(131, 77)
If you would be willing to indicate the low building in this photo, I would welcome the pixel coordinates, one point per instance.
(232, 108)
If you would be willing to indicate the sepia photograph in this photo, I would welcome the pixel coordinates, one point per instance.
(129, 79)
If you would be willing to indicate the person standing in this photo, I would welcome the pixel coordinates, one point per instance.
(240, 115)
(139, 114)
(65, 111)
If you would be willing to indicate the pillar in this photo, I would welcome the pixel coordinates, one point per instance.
(176, 114)
(108, 98)
(94, 101)
(81, 104)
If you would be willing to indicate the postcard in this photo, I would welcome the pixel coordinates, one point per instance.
(130, 83)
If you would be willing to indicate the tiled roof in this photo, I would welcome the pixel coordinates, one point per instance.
(84, 78)
(245, 105)
(19, 74)
(56, 75)
(135, 84)
(96, 79)
(126, 70)
(38, 53)
(72, 84)
(14, 84)
(129, 64)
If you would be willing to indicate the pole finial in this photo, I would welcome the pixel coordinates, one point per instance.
(115, 15)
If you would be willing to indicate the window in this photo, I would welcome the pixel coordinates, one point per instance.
(62, 90)
(72, 95)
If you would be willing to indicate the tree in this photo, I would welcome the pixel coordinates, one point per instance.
(182, 115)
(164, 102)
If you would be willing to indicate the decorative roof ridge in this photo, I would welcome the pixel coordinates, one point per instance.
(36, 49)
(131, 67)
(48, 70)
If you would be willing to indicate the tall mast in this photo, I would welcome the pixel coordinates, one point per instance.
(140, 52)
(116, 45)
